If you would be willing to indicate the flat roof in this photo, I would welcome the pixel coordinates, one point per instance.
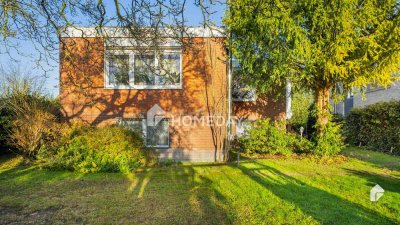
(116, 32)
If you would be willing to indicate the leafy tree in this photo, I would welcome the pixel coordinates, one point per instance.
(316, 44)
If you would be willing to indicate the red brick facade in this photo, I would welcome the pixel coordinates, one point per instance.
(203, 94)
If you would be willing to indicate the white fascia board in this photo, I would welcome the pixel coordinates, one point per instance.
(116, 32)
(129, 42)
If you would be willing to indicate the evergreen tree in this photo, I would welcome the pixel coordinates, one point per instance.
(316, 44)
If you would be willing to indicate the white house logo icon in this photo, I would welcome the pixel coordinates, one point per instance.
(155, 115)
(376, 193)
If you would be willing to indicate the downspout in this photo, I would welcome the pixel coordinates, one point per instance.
(229, 111)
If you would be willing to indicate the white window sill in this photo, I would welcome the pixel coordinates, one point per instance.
(142, 87)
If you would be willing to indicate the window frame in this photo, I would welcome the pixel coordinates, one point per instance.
(107, 55)
(157, 146)
(145, 131)
(132, 54)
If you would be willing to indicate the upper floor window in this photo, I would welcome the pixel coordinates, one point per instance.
(118, 73)
(150, 70)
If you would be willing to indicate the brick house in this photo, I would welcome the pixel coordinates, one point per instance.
(113, 80)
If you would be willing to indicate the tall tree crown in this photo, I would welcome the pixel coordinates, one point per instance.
(316, 43)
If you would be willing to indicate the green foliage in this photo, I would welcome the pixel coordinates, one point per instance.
(330, 142)
(5, 126)
(376, 126)
(301, 103)
(314, 43)
(264, 137)
(311, 121)
(337, 118)
(89, 150)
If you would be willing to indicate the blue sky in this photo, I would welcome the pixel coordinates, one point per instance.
(27, 60)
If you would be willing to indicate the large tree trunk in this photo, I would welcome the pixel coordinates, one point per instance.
(322, 104)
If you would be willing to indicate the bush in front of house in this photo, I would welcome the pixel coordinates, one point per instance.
(90, 150)
(29, 118)
(328, 143)
(5, 126)
(331, 142)
(266, 137)
(376, 127)
(301, 101)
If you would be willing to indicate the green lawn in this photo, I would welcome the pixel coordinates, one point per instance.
(269, 191)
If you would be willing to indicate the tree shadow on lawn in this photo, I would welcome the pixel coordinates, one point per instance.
(378, 159)
(178, 196)
(389, 182)
(157, 196)
(321, 205)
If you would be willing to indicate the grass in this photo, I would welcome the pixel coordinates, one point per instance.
(268, 191)
(377, 158)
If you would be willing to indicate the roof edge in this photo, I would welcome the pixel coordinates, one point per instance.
(116, 32)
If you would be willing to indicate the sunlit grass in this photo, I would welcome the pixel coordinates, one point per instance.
(269, 191)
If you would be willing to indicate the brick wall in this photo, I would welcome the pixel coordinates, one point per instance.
(83, 96)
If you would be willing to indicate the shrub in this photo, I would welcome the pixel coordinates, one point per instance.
(32, 117)
(89, 150)
(301, 101)
(331, 142)
(311, 121)
(5, 126)
(376, 127)
(28, 133)
(264, 137)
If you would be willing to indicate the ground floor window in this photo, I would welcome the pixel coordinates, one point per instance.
(158, 135)
(155, 136)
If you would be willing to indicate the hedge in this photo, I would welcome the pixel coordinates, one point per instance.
(376, 127)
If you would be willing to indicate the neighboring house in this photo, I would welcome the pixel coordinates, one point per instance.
(373, 94)
(181, 88)
(343, 108)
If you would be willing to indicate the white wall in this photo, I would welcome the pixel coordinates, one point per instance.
(392, 93)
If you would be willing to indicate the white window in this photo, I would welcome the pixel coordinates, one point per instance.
(158, 135)
(151, 70)
(118, 70)
(154, 136)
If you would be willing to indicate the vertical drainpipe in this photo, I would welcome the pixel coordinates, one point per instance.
(288, 99)
(228, 122)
